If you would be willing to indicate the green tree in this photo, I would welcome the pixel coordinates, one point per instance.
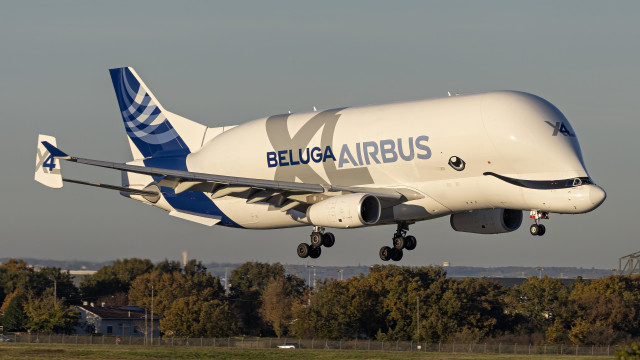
(113, 279)
(538, 302)
(192, 317)
(189, 299)
(168, 266)
(382, 304)
(556, 333)
(18, 275)
(604, 310)
(630, 354)
(181, 318)
(276, 305)
(169, 287)
(15, 274)
(45, 314)
(15, 318)
(52, 277)
(8, 298)
(216, 319)
(579, 332)
(248, 282)
(330, 315)
(473, 309)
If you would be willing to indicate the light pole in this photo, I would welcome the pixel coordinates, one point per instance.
(151, 314)
(309, 282)
(314, 277)
(55, 291)
(417, 318)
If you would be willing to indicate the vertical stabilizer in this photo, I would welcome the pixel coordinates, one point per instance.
(48, 171)
(152, 130)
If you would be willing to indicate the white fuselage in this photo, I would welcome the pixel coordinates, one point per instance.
(408, 146)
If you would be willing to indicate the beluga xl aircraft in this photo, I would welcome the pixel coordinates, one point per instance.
(481, 159)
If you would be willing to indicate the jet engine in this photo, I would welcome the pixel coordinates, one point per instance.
(345, 211)
(487, 221)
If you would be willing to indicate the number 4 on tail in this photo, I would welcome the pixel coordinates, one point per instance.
(49, 163)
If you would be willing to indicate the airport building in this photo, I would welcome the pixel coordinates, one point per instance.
(117, 320)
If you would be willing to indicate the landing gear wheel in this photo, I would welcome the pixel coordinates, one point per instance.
(541, 230)
(397, 255)
(328, 240)
(537, 228)
(303, 250)
(316, 239)
(385, 253)
(410, 242)
(399, 242)
(534, 229)
(314, 253)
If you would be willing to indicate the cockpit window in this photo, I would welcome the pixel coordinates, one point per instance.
(544, 184)
(578, 181)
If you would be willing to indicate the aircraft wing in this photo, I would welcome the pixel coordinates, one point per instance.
(283, 194)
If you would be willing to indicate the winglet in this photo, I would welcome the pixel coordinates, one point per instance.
(48, 162)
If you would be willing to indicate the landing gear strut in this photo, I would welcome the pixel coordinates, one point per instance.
(400, 241)
(537, 228)
(319, 238)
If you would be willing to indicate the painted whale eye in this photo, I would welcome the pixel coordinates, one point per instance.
(456, 163)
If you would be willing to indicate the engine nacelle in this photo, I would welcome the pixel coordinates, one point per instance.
(345, 211)
(487, 221)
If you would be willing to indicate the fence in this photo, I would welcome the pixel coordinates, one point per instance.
(367, 345)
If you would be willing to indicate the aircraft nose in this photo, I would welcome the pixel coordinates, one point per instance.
(597, 195)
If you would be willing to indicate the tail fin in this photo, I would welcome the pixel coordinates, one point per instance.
(152, 130)
(47, 166)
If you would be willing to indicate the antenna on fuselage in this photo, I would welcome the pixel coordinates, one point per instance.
(314, 109)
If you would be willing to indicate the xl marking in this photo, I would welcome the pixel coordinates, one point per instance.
(560, 127)
(47, 161)
(278, 133)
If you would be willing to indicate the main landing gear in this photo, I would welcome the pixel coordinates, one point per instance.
(537, 228)
(400, 241)
(319, 238)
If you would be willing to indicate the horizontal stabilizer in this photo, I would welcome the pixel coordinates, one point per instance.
(54, 151)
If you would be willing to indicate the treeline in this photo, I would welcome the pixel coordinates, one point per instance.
(389, 303)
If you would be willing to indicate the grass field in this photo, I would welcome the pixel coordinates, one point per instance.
(57, 351)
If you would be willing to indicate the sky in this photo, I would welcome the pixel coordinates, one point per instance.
(231, 62)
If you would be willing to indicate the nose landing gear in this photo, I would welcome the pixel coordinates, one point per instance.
(537, 228)
(400, 241)
(319, 238)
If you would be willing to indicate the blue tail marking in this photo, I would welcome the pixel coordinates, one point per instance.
(146, 124)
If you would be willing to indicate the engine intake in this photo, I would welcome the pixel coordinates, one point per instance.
(345, 211)
(487, 221)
